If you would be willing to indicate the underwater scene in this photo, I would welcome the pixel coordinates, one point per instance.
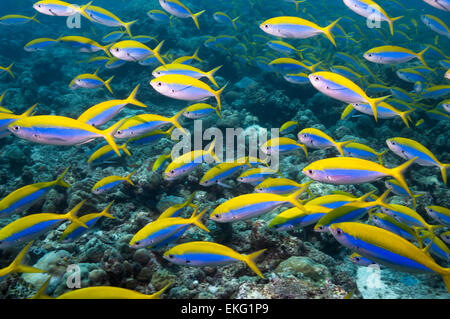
(242, 149)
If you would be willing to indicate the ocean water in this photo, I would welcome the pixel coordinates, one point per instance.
(133, 248)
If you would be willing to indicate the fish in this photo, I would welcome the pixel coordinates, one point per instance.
(183, 87)
(280, 186)
(179, 10)
(90, 81)
(255, 176)
(435, 92)
(25, 197)
(352, 170)
(394, 225)
(284, 47)
(163, 231)
(135, 51)
(100, 292)
(56, 8)
(317, 139)
(295, 218)
(291, 66)
(443, 5)
(107, 183)
(221, 171)
(150, 137)
(407, 149)
(202, 253)
(288, 127)
(359, 260)
(390, 54)
(184, 69)
(175, 210)
(74, 231)
(296, 28)
(446, 237)
(104, 17)
(60, 130)
(103, 112)
(439, 214)
(186, 163)
(435, 24)
(343, 89)
(369, 9)
(160, 16)
(32, 226)
(83, 44)
(105, 153)
(39, 44)
(7, 118)
(188, 58)
(408, 216)
(362, 151)
(200, 110)
(248, 206)
(160, 163)
(399, 190)
(350, 212)
(16, 266)
(8, 70)
(410, 75)
(113, 36)
(224, 18)
(142, 124)
(17, 19)
(386, 248)
(282, 145)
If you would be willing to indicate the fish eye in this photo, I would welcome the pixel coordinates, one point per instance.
(119, 132)
(266, 26)
(171, 256)
(317, 78)
(339, 231)
(159, 84)
(310, 171)
(16, 128)
(217, 215)
(370, 54)
(188, 261)
(117, 49)
(357, 258)
(393, 142)
(172, 171)
(260, 189)
(206, 182)
(137, 243)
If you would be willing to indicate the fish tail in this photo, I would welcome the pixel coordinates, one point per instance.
(195, 16)
(196, 220)
(217, 111)
(127, 26)
(132, 98)
(327, 31)
(174, 121)
(217, 94)
(8, 69)
(108, 135)
(73, 218)
(250, 260)
(28, 112)
(125, 149)
(293, 198)
(188, 201)
(391, 23)
(107, 84)
(195, 56)
(365, 196)
(157, 54)
(404, 116)
(297, 2)
(105, 211)
(380, 156)
(340, 146)
(398, 171)
(158, 294)
(380, 200)
(170, 21)
(210, 75)
(59, 181)
(414, 198)
(443, 168)
(373, 104)
(40, 294)
(34, 19)
(234, 22)
(305, 149)
(420, 56)
(128, 178)
(349, 110)
(106, 49)
(16, 265)
(83, 12)
(210, 151)
(314, 66)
